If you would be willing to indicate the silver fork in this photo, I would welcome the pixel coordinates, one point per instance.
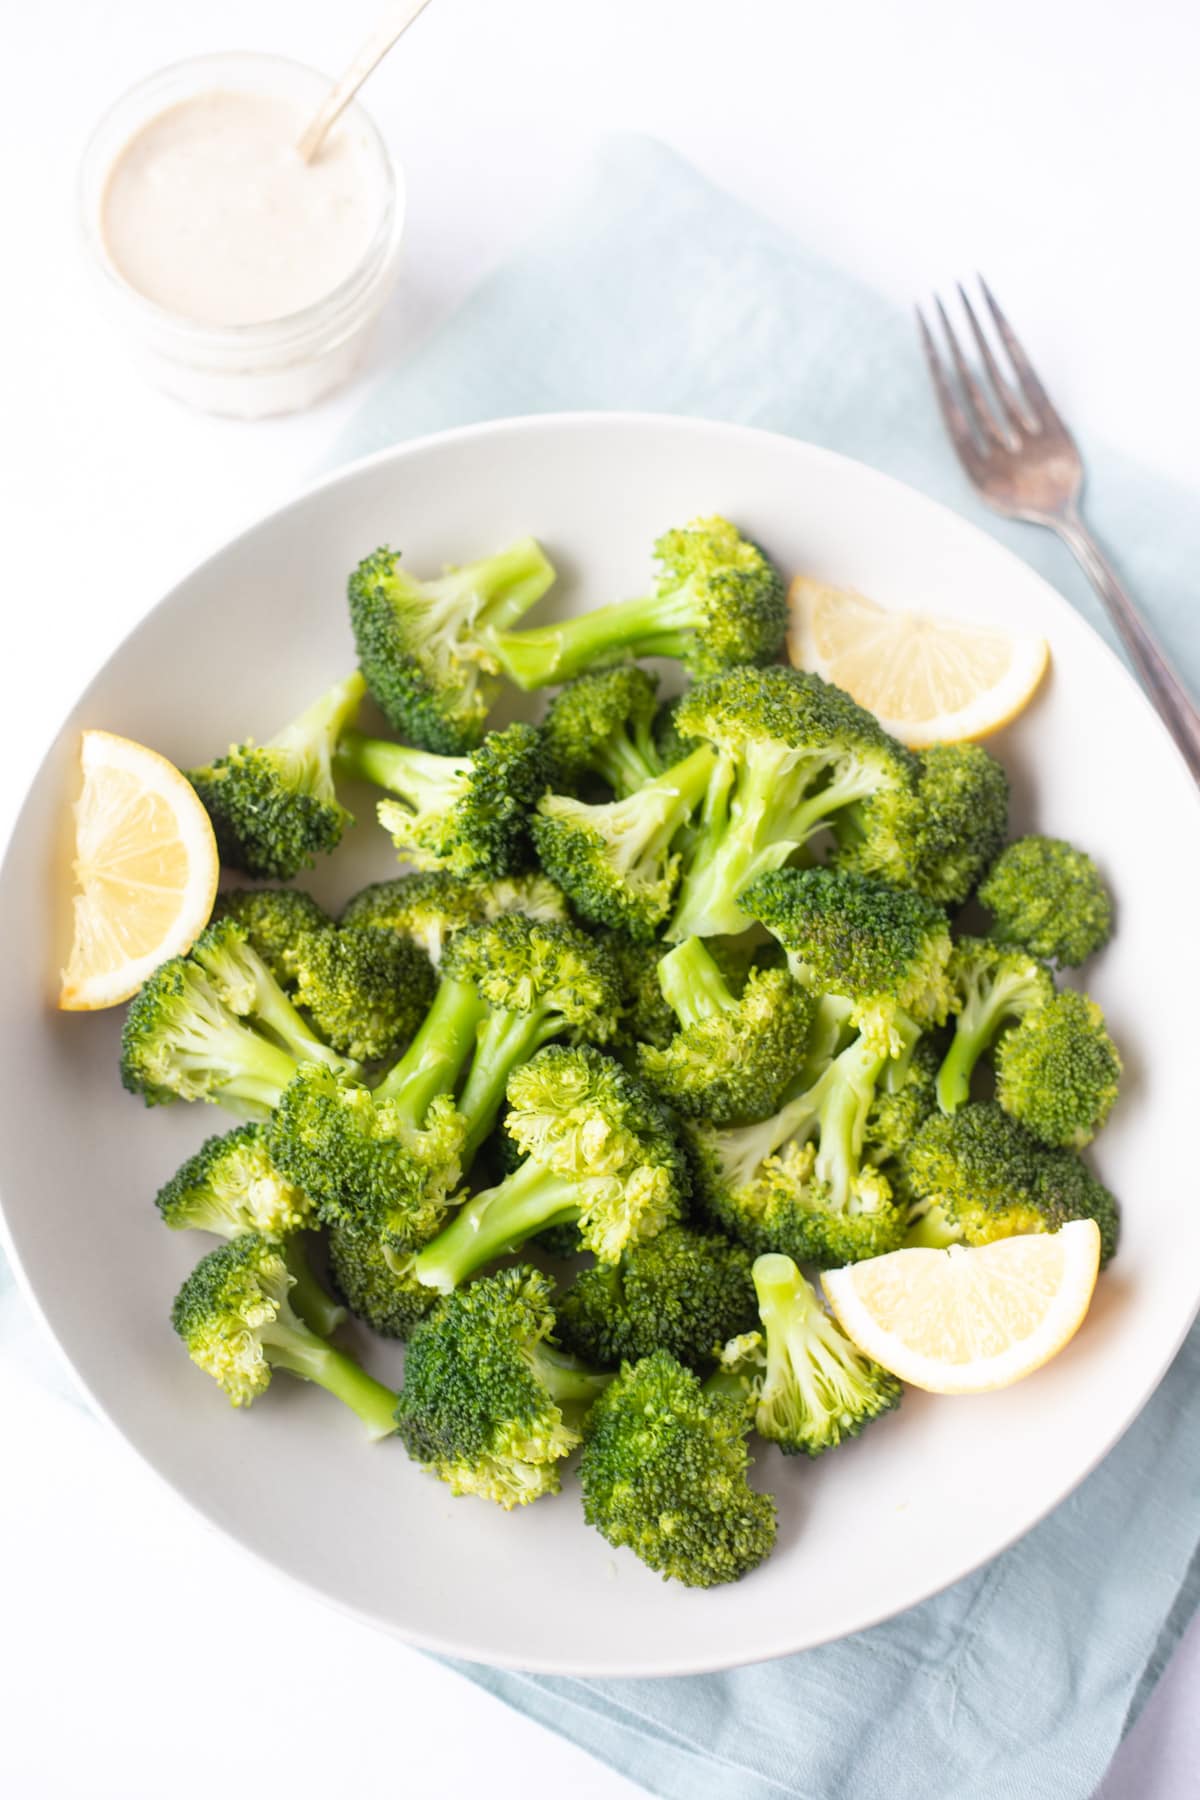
(1018, 453)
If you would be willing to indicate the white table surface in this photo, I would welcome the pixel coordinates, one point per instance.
(1056, 145)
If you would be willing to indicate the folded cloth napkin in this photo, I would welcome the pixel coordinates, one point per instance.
(655, 291)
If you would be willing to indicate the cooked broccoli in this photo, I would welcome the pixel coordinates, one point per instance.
(601, 1150)
(468, 814)
(429, 905)
(897, 1113)
(994, 986)
(937, 839)
(811, 1388)
(685, 1291)
(664, 1473)
(670, 746)
(423, 647)
(273, 918)
(215, 1025)
(366, 991)
(980, 1175)
(273, 805)
(489, 1404)
(603, 725)
(717, 602)
(231, 1186)
(375, 1281)
(881, 947)
(791, 752)
(1059, 1071)
(644, 1016)
(618, 862)
(236, 1319)
(1049, 899)
(732, 1057)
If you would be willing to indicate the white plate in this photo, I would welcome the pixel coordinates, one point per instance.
(928, 1493)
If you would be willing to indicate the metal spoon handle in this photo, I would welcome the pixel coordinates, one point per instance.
(370, 55)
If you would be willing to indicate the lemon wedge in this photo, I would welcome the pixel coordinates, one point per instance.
(145, 866)
(963, 1321)
(928, 680)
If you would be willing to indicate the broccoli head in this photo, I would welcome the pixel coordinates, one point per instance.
(1058, 1071)
(1048, 898)
(489, 1404)
(366, 991)
(376, 1282)
(685, 1291)
(994, 986)
(274, 919)
(422, 644)
(897, 1112)
(273, 806)
(664, 1474)
(937, 838)
(430, 905)
(602, 725)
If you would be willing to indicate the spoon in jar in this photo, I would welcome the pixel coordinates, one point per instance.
(369, 56)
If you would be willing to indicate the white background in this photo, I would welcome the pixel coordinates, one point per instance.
(1053, 142)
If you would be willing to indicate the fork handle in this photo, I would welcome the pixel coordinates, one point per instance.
(1174, 705)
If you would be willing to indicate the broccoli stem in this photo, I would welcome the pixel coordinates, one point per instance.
(932, 1230)
(843, 1095)
(275, 1012)
(985, 1010)
(253, 1071)
(626, 762)
(423, 780)
(502, 587)
(647, 626)
(308, 1298)
(692, 984)
(505, 1039)
(827, 1037)
(805, 1349)
(565, 1378)
(317, 729)
(294, 1347)
(495, 1221)
(434, 1061)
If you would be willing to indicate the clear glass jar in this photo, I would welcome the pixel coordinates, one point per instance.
(279, 365)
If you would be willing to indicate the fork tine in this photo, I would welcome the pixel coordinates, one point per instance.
(978, 409)
(1005, 398)
(1034, 394)
(953, 416)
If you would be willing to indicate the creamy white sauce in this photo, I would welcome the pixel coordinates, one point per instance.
(210, 212)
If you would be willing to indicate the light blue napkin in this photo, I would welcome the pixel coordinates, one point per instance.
(655, 291)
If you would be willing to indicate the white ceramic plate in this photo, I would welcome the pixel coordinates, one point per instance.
(928, 1493)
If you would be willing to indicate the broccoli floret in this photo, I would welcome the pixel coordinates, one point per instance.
(430, 905)
(468, 814)
(664, 1473)
(939, 838)
(274, 919)
(231, 1186)
(717, 602)
(881, 947)
(897, 1113)
(811, 1388)
(732, 1057)
(685, 1291)
(644, 1016)
(993, 987)
(376, 1282)
(422, 645)
(602, 725)
(980, 1175)
(489, 1404)
(273, 806)
(670, 745)
(215, 1025)
(791, 752)
(1048, 898)
(601, 1150)
(618, 862)
(366, 991)
(1059, 1071)
(237, 1323)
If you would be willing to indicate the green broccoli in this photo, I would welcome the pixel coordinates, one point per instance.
(423, 645)
(732, 1057)
(601, 1150)
(664, 1473)
(685, 1291)
(644, 1016)
(273, 806)
(994, 986)
(1048, 898)
(375, 1281)
(430, 905)
(980, 1175)
(603, 725)
(231, 1186)
(215, 1025)
(1058, 1071)
(937, 838)
(469, 814)
(810, 1387)
(366, 991)
(237, 1322)
(273, 918)
(489, 1404)
(897, 1112)
(669, 745)
(791, 752)
(717, 602)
